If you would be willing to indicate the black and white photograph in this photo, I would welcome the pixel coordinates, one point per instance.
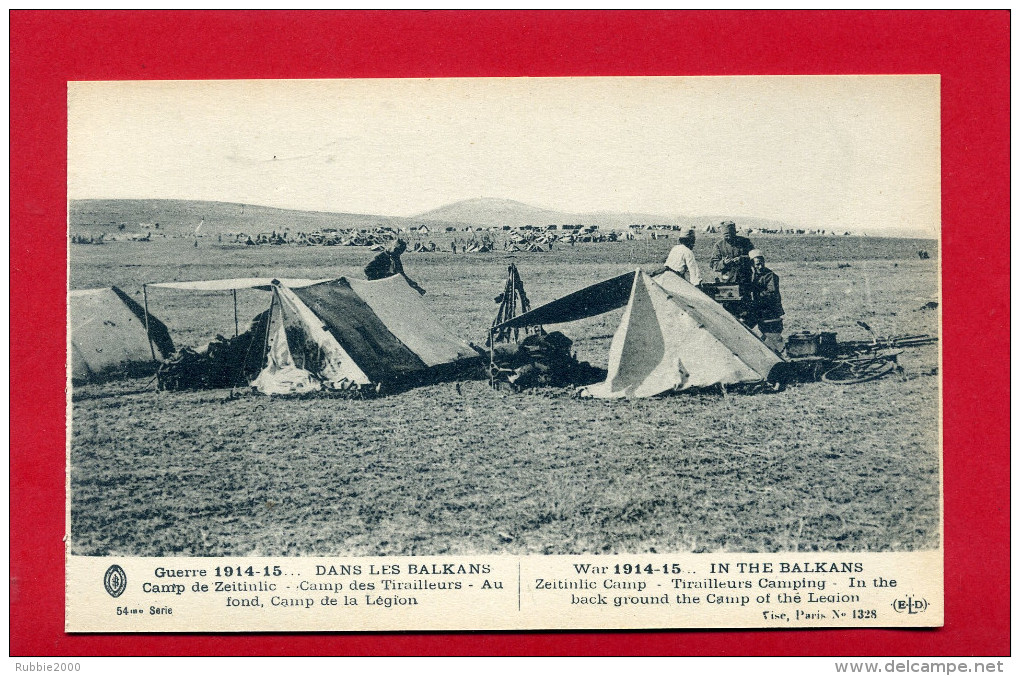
(504, 317)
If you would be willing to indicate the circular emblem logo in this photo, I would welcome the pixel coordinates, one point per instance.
(115, 581)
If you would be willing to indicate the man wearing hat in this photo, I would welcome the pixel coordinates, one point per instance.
(766, 307)
(681, 258)
(730, 258)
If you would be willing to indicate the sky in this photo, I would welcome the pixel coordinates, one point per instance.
(845, 153)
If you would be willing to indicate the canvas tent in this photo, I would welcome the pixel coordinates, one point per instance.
(343, 333)
(348, 332)
(671, 337)
(108, 336)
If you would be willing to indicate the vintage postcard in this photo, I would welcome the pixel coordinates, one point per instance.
(504, 353)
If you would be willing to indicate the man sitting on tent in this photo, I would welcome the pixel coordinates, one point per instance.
(766, 306)
(681, 259)
(387, 263)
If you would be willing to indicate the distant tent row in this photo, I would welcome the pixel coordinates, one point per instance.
(108, 336)
(671, 337)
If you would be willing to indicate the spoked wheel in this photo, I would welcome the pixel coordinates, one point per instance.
(849, 373)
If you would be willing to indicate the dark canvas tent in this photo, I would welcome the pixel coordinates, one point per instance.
(348, 332)
(108, 336)
(671, 337)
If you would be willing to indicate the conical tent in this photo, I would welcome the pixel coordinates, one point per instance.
(108, 337)
(347, 332)
(671, 337)
(674, 337)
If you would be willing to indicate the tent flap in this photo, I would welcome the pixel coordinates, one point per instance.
(263, 283)
(588, 302)
(404, 313)
(299, 339)
(360, 331)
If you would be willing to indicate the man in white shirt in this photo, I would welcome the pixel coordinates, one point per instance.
(681, 258)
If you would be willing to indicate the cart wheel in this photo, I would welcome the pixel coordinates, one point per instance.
(849, 373)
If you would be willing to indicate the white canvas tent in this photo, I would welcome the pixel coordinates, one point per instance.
(347, 332)
(109, 336)
(671, 337)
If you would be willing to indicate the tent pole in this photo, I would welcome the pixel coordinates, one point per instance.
(234, 292)
(269, 326)
(492, 358)
(148, 336)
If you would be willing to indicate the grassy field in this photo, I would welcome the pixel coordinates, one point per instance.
(462, 468)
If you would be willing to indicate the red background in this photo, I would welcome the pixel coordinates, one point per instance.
(969, 49)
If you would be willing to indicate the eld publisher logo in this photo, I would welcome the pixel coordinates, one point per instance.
(910, 605)
(115, 581)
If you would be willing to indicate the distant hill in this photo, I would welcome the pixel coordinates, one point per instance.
(183, 216)
(492, 212)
